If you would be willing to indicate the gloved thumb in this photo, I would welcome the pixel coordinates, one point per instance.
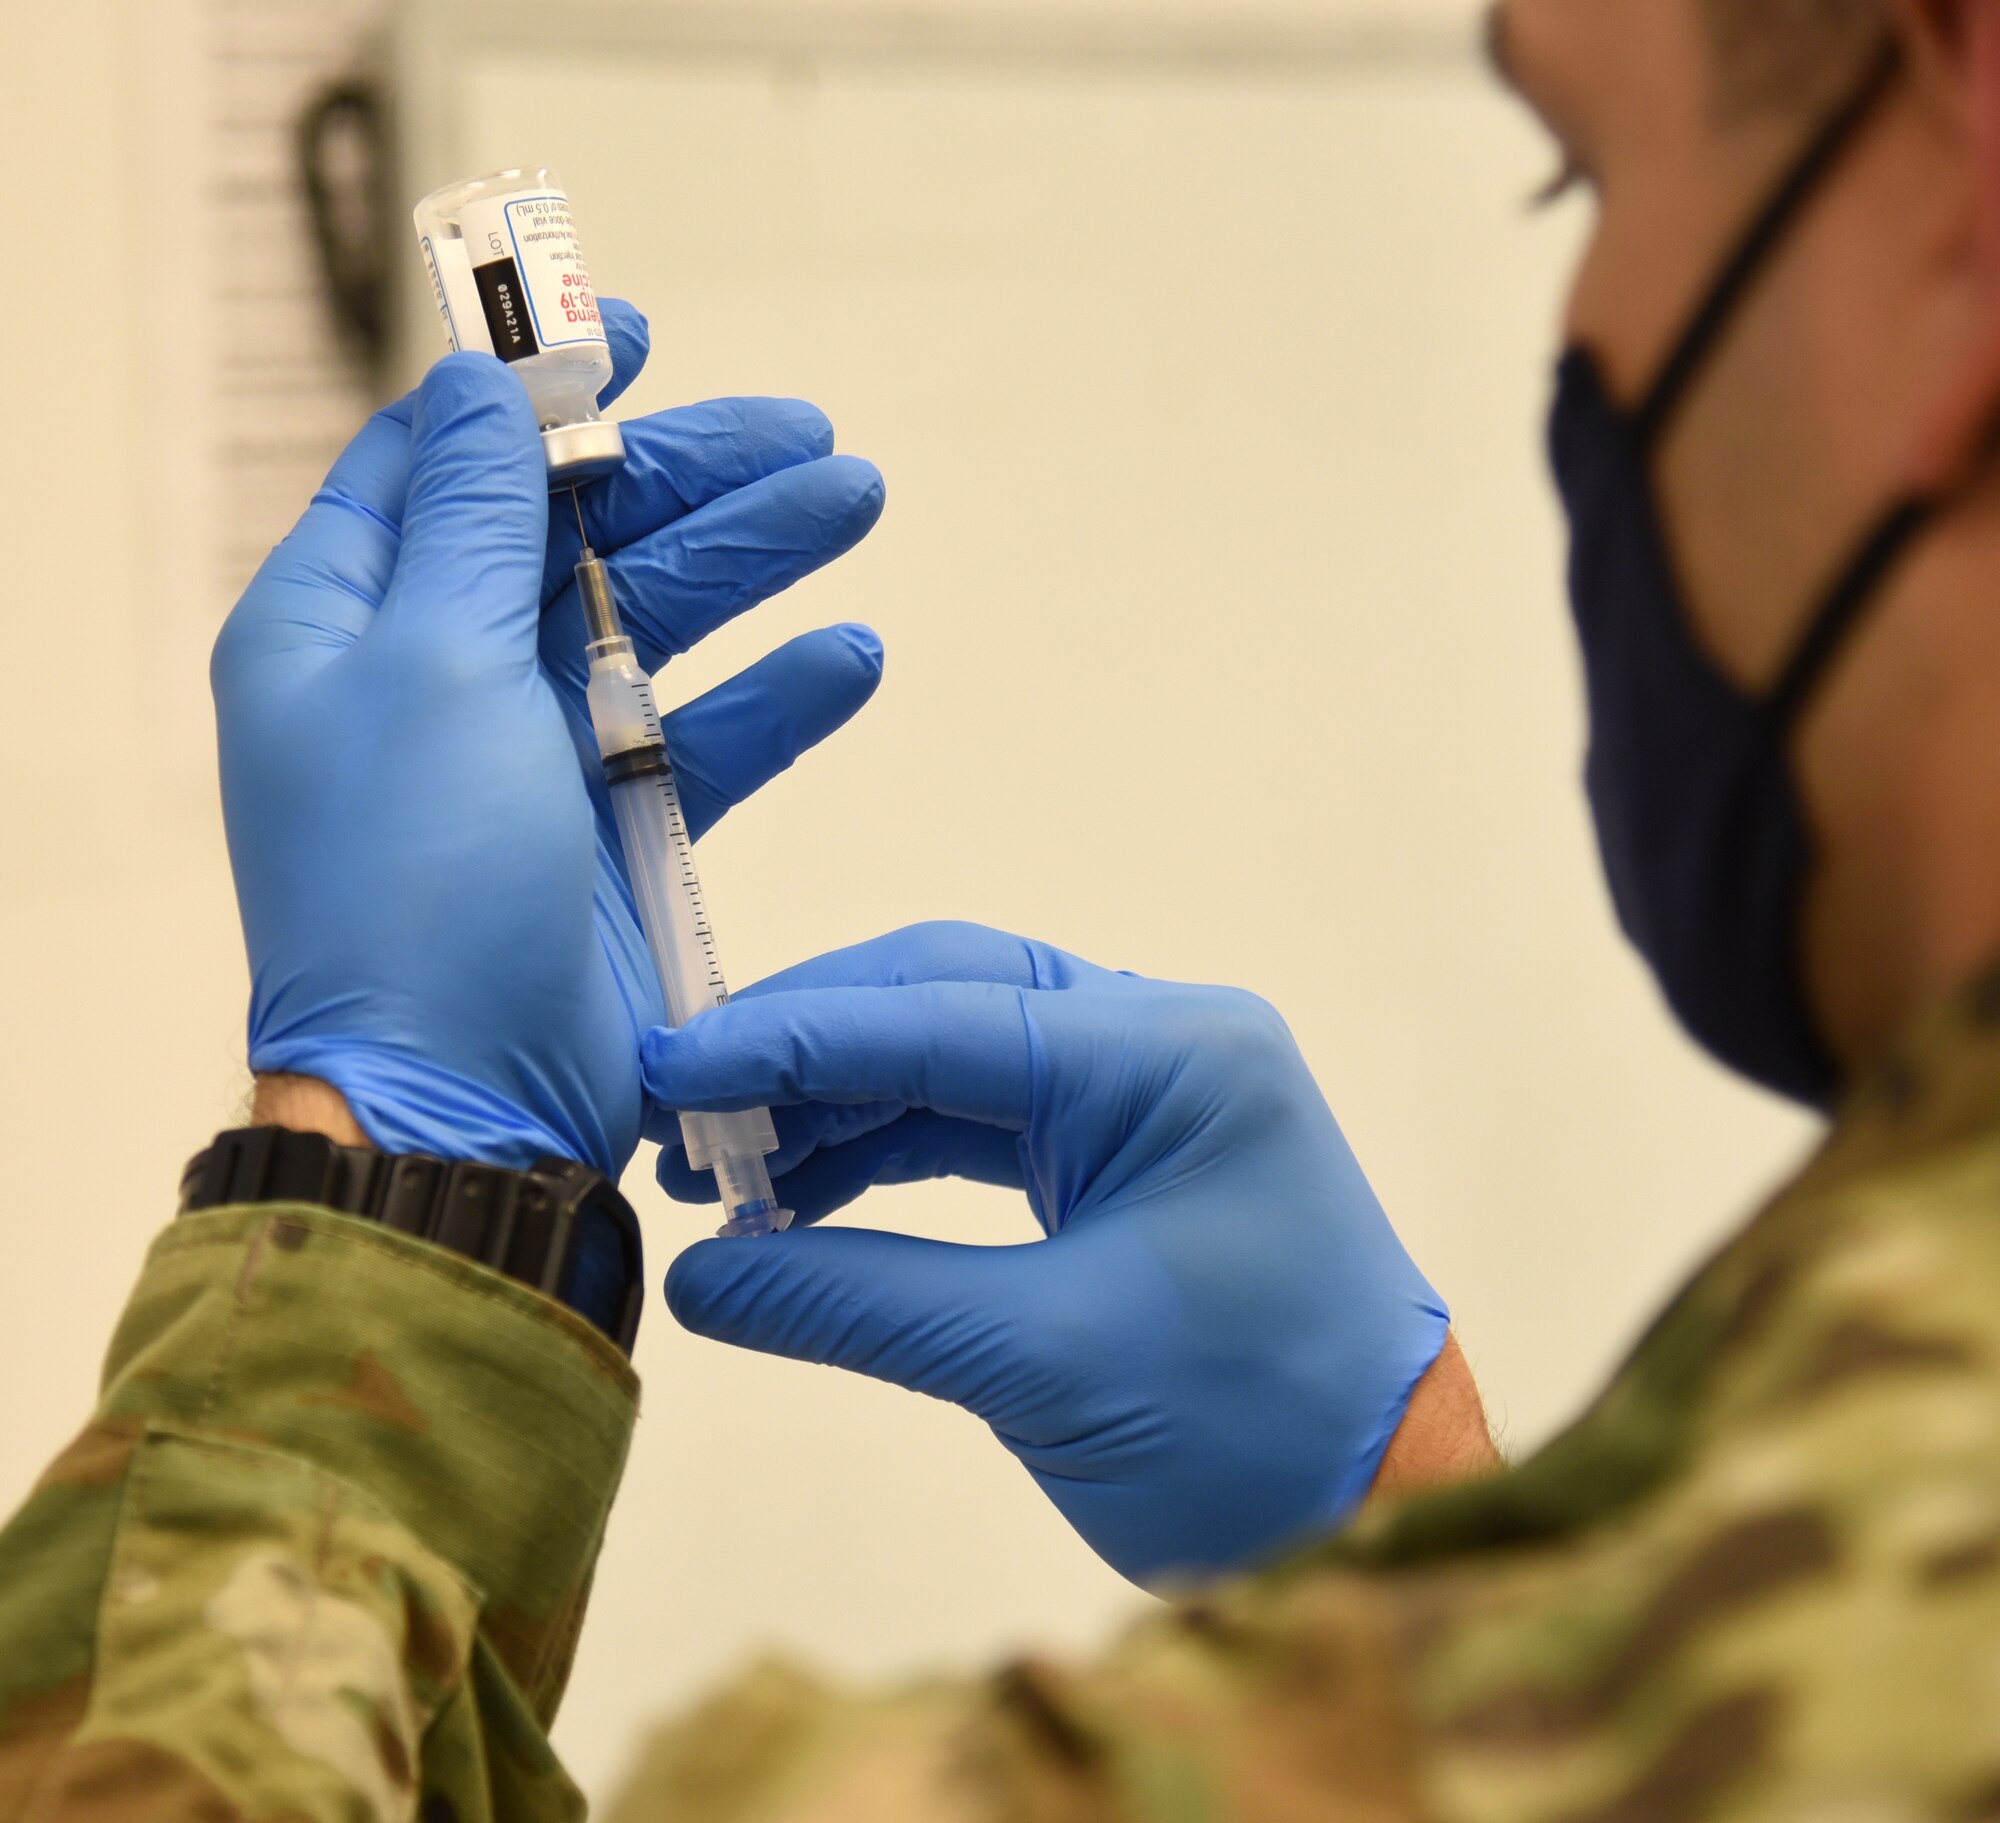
(926, 1315)
(475, 525)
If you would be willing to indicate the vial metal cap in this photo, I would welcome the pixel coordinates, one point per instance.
(582, 452)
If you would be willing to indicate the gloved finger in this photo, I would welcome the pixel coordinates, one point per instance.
(322, 586)
(371, 478)
(919, 1148)
(680, 460)
(945, 950)
(681, 583)
(631, 341)
(735, 739)
(353, 527)
(475, 529)
(344, 547)
(959, 1048)
(738, 737)
(801, 1131)
(927, 1315)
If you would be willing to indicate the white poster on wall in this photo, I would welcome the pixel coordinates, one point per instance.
(262, 379)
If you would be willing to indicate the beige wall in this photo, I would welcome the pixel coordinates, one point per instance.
(124, 978)
(1216, 531)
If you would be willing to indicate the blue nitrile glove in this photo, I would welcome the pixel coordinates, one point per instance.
(1207, 1358)
(433, 898)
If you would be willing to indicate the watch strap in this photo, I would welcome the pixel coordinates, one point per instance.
(559, 1227)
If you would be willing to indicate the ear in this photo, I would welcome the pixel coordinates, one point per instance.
(1952, 49)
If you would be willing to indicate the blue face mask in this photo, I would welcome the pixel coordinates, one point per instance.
(1704, 839)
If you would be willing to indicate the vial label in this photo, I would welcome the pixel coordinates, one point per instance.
(534, 289)
(503, 300)
(456, 294)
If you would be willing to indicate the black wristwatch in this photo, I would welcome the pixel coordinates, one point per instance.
(560, 1226)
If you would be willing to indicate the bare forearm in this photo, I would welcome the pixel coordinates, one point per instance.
(1444, 1436)
(305, 1106)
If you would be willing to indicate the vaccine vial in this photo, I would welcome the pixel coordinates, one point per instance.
(511, 281)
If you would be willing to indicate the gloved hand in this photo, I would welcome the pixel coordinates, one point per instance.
(432, 892)
(1209, 1355)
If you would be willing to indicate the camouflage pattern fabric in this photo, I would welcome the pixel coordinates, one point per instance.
(1759, 1579)
(323, 1549)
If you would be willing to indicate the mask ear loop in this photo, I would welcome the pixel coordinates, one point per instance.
(1901, 525)
(1857, 588)
(1899, 528)
(1756, 244)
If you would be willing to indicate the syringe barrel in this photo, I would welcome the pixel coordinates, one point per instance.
(659, 862)
(713, 1140)
(649, 862)
(659, 852)
(648, 812)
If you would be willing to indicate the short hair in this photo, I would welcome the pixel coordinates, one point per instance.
(1789, 56)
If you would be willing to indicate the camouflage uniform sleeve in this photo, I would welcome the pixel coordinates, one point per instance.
(1760, 1579)
(322, 1549)
(1260, 1701)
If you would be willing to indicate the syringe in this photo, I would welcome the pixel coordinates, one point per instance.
(510, 280)
(659, 858)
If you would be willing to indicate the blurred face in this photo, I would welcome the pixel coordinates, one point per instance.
(1794, 436)
(1806, 422)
